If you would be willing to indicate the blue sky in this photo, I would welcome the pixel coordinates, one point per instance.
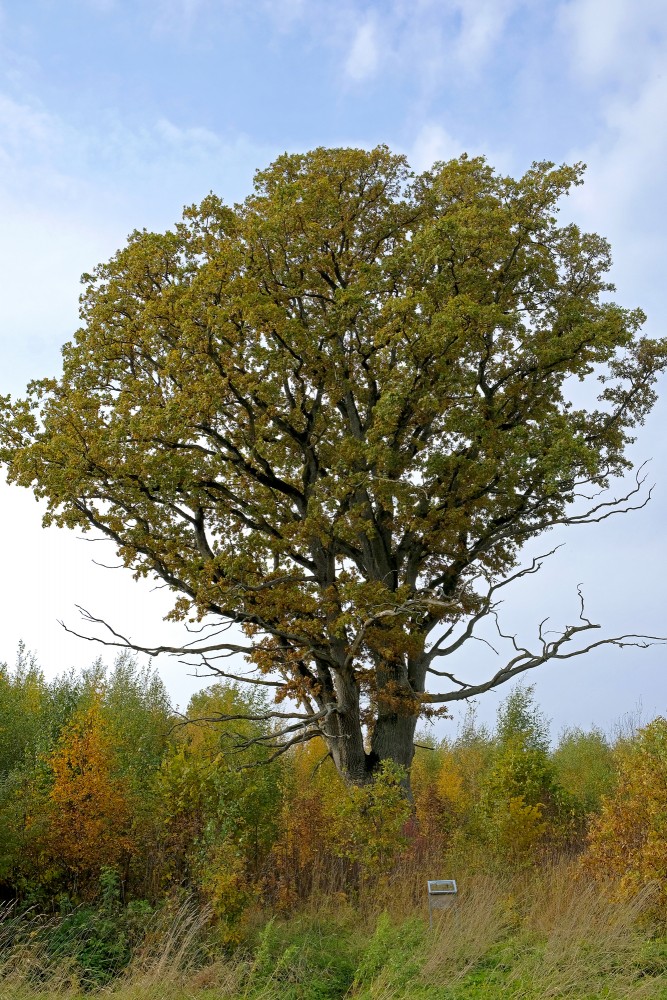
(116, 113)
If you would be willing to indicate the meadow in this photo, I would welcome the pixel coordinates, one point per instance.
(542, 934)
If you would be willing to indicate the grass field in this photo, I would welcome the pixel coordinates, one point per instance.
(543, 935)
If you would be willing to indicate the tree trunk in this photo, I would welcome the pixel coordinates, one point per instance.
(392, 738)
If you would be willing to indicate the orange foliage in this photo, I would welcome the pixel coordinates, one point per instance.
(333, 837)
(302, 846)
(90, 824)
(628, 841)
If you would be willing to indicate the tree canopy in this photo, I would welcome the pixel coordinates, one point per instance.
(332, 415)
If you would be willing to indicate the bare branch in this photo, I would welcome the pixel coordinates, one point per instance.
(124, 643)
(551, 649)
(282, 748)
(487, 607)
(242, 678)
(268, 716)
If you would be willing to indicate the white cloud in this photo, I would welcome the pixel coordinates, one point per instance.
(52, 570)
(482, 25)
(42, 254)
(617, 51)
(364, 56)
(613, 39)
(624, 194)
(22, 124)
(68, 198)
(426, 40)
(432, 143)
(190, 136)
(44, 160)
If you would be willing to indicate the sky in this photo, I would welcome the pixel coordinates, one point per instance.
(114, 114)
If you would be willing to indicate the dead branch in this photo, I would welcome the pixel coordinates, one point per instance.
(123, 642)
(487, 608)
(550, 650)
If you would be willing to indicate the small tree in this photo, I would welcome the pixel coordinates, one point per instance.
(628, 840)
(522, 803)
(219, 821)
(90, 825)
(333, 415)
(584, 763)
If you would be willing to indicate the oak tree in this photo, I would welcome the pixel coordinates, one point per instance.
(330, 417)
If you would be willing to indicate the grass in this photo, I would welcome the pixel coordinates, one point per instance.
(539, 935)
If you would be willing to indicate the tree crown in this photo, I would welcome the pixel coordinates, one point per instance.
(325, 413)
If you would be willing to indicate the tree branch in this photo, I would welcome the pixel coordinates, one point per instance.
(550, 650)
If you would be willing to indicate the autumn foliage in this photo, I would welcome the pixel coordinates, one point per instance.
(89, 809)
(103, 780)
(628, 839)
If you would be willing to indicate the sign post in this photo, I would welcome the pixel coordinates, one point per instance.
(442, 893)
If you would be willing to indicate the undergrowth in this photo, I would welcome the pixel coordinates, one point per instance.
(537, 935)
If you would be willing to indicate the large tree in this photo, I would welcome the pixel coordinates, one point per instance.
(333, 415)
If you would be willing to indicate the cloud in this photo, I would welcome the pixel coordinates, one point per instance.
(44, 157)
(433, 143)
(620, 49)
(482, 24)
(37, 149)
(426, 41)
(24, 125)
(364, 56)
(624, 196)
(53, 571)
(189, 136)
(68, 198)
(435, 37)
(613, 39)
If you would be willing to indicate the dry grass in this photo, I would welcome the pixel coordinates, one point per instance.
(540, 935)
(548, 935)
(462, 936)
(544, 934)
(168, 966)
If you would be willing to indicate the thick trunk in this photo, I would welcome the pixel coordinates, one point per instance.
(398, 686)
(344, 735)
(392, 738)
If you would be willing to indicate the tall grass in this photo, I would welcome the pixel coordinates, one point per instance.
(538, 934)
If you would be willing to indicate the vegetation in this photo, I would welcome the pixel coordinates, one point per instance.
(328, 420)
(187, 866)
(332, 416)
(517, 938)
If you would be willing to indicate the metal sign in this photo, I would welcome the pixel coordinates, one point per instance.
(442, 893)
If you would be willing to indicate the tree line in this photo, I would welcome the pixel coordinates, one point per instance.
(101, 778)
